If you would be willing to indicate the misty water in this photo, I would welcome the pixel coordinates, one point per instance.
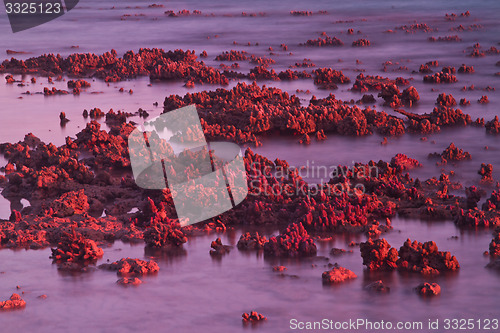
(194, 291)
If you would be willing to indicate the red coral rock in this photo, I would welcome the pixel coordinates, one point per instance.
(493, 126)
(452, 153)
(440, 77)
(453, 38)
(163, 235)
(483, 100)
(129, 266)
(10, 79)
(495, 245)
(71, 203)
(53, 91)
(486, 172)
(253, 317)
(473, 195)
(410, 96)
(328, 78)
(78, 84)
(368, 99)
(361, 42)
(415, 27)
(327, 41)
(428, 289)
(464, 102)
(75, 248)
(250, 242)
(337, 275)
(446, 100)
(393, 97)
(375, 83)
(464, 69)
(294, 242)
(473, 218)
(15, 302)
(232, 56)
(425, 258)
(378, 255)
(218, 249)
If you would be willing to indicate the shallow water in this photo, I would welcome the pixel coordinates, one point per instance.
(194, 291)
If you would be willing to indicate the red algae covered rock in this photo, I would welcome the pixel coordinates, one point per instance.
(394, 98)
(327, 78)
(452, 153)
(129, 266)
(425, 258)
(14, 302)
(250, 241)
(74, 247)
(337, 275)
(428, 289)
(78, 84)
(250, 110)
(486, 172)
(232, 56)
(415, 27)
(473, 218)
(464, 69)
(71, 203)
(446, 100)
(440, 77)
(453, 38)
(401, 163)
(219, 249)
(493, 126)
(378, 255)
(495, 244)
(439, 117)
(366, 83)
(327, 41)
(158, 64)
(163, 235)
(294, 242)
(253, 317)
(483, 100)
(361, 42)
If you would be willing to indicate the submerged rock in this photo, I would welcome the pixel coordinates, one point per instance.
(129, 281)
(378, 287)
